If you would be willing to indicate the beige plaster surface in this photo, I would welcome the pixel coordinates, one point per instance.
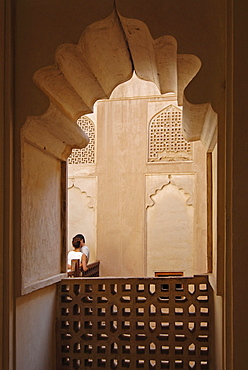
(41, 233)
(170, 221)
(35, 330)
(214, 275)
(138, 230)
(126, 45)
(82, 213)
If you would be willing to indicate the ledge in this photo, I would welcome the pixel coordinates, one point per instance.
(36, 285)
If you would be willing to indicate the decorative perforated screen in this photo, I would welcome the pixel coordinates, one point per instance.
(147, 323)
(85, 155)
(166, 141)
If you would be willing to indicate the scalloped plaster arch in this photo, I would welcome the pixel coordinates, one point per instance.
(107, 53)
(170, 180)
(88, 190)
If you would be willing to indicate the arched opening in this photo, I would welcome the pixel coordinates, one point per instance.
(140, 157)
(78, 79)
(64, 146)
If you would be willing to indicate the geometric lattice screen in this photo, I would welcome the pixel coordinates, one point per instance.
(87, 154)
(134, 323)
(166, 141)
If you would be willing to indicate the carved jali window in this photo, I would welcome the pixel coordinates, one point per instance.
(87, 154)
(166, 141)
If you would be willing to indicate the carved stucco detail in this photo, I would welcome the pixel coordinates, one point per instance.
(106, 55)
(87, 186)
(85, 155)
(155, 183)
(166, 141)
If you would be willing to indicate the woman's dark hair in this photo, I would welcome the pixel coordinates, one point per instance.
(76, 243)
(80, 237)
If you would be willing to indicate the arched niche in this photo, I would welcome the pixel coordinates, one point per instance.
(170, 219)
(106, 55)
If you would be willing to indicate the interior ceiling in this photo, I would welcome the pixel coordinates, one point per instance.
(106, 55)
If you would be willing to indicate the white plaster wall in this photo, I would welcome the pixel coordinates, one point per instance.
(35, 330)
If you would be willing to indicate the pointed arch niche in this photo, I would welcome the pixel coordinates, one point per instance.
(106, 55)
(170, 224)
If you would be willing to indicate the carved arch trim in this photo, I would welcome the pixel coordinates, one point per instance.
(105, 56)
(184, 183)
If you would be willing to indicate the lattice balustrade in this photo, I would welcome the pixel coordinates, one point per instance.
(134, 323)
(87, 154)
(166, 141)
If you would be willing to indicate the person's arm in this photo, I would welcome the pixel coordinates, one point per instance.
(68, 263)
(84, 262)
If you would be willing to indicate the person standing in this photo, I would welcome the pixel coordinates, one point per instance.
(84, 250)
(76, 254)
